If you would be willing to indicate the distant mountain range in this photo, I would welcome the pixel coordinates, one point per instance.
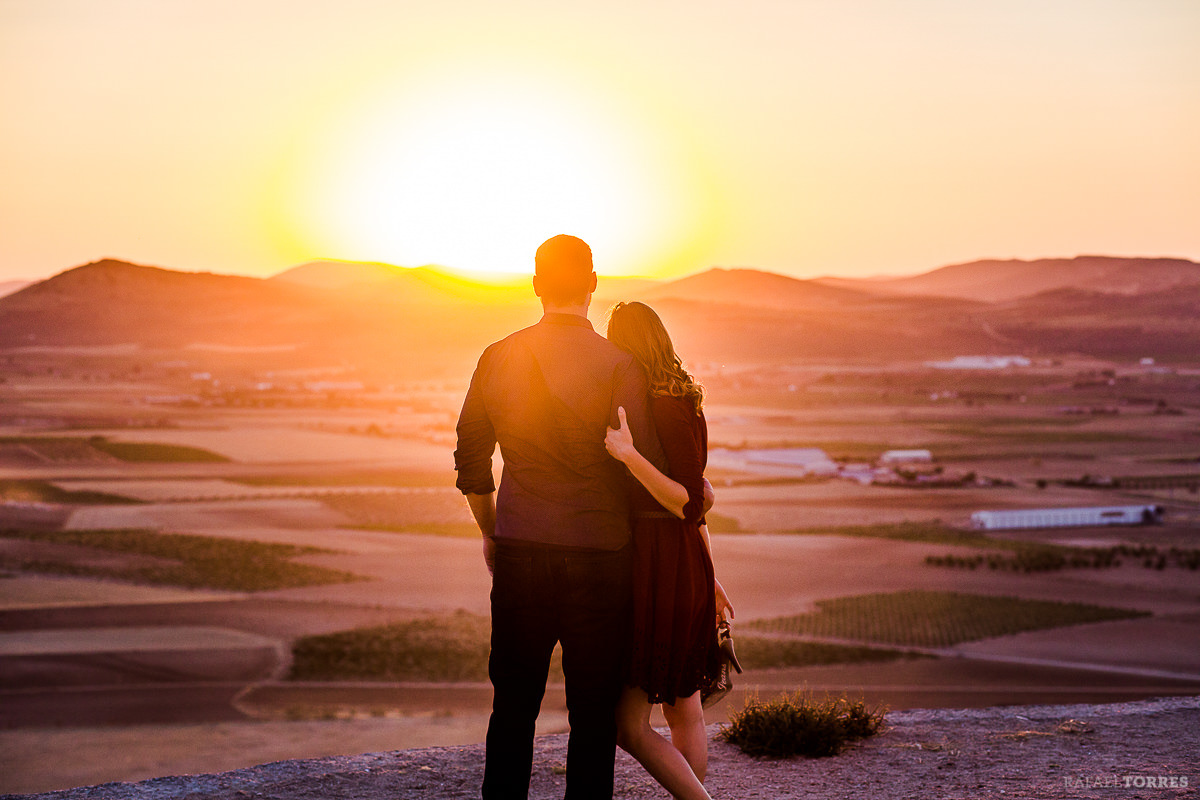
(413, 325)
(754, 288)
(425, 284)
(8, 287)
(419, 321)
(996, 281)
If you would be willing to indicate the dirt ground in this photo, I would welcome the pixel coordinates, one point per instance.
(1131, 750)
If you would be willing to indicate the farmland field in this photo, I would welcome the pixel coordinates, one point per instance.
(326, 546)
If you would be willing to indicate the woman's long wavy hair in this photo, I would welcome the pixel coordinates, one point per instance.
(636, 329)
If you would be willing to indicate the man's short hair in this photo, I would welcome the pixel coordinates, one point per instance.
(563, 267)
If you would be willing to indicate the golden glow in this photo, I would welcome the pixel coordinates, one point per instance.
(473, 173)
(850, 138)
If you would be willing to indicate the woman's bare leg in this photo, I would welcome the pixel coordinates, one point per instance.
(660, 758)
(686, 719)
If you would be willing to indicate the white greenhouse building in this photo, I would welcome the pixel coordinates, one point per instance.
(1066, 517)
(893, 457)
(807, 460)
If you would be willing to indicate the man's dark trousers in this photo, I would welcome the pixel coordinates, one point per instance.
(542, 594)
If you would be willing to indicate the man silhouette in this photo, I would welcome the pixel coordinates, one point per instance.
(556, 538)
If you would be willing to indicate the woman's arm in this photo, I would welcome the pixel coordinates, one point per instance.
(670, 494)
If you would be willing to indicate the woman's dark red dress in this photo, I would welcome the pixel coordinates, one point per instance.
(674, 606)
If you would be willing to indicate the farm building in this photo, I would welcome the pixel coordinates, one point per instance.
(1066, 517)
(981, 362)
(893, 457)
(811, 460)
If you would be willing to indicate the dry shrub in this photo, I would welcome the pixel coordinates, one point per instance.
(798, 725)
(1073, 726)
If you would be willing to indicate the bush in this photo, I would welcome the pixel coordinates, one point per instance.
(797, 725)
(1028, 557)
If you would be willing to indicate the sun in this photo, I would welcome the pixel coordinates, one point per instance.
(473, 174)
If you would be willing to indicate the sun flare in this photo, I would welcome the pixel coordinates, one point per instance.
(473, 175)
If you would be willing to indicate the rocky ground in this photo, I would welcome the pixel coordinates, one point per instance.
(1147, 749)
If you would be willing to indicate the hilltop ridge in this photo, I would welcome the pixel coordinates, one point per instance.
(996, 280)
(756, 288)
(369, 314)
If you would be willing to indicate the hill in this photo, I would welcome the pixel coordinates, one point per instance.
(755, 288)
(332, 274)
(417, 323)
(9, 287)
(377, 313)
(400, 284)
(1164, 324)
(430, 284)
(999, 281)
(290, 323)
(907, 330)
(111, 301)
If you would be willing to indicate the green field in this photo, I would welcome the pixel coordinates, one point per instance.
(926, 532)
(78, 448)
(436, 516)
(45, 492)
(984, 433)
(1030, 557)
(195, 562)
(454, 530)
(139, 452)
(454, 647)
(719, 523)
(1019, 556)
(389, 478)
(449, 647)
(919, 618)
(763, 652)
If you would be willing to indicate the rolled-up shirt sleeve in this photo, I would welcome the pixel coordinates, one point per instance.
(476, 441)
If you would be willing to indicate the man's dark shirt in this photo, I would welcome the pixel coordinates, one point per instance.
(547, 395)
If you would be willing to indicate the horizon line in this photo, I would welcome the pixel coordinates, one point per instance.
(501, 278)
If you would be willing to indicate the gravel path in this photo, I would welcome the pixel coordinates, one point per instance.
(1147, 749)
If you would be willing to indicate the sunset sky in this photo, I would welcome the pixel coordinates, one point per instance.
(808, 137)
